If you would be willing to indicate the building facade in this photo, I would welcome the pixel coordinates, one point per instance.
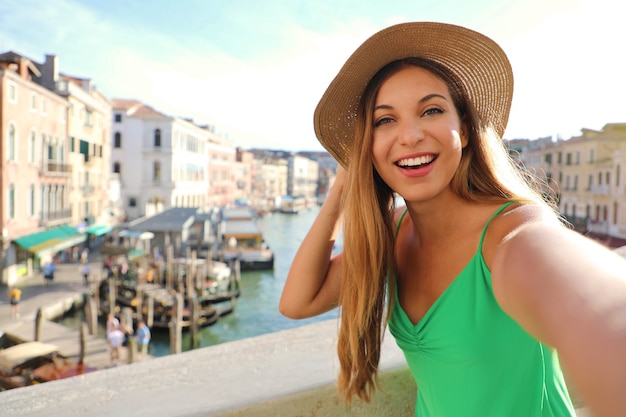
(161, 160)
(586, 174)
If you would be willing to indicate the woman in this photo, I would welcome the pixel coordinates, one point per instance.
(479, 281)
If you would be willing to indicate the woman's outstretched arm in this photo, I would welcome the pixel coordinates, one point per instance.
(569, 292)
(314, 279)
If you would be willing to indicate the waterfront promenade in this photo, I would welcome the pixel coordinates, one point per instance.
(54, 300)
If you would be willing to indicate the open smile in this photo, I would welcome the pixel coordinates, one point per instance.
(417, 162)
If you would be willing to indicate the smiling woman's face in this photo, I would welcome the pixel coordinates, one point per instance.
(417, 134)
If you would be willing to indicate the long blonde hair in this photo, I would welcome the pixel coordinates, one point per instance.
(485, 173)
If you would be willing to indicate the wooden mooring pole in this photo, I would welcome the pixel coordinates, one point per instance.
(82, 342)
(150, 311)
(175, 325)
(112, 295)
(91, 315)
(194, 317)
(38, 323)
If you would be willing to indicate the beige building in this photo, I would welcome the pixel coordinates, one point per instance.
(586, 173)
(273, 184)
(89, 129)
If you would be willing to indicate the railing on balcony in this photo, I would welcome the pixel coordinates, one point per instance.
(57, 168)
(52, 218)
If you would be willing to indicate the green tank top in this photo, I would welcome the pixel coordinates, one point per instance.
(470, 359)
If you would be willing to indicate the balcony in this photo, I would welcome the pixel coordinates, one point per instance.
(288, 373)
(56, 168)
(55, 218)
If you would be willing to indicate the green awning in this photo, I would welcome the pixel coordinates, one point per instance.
(51, 240)
(98, 230)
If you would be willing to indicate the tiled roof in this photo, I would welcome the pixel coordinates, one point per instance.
(135, 108)
(170, 220)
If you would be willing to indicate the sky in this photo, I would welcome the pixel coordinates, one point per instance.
(255, 69)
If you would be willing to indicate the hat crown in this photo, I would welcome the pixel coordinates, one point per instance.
(476, 61)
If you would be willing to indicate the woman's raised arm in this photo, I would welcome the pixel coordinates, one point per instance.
(314, 279)
(569, 292)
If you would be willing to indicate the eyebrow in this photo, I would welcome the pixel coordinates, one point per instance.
(422, 100)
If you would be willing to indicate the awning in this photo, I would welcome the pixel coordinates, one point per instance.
(51, 240)
(98, 230)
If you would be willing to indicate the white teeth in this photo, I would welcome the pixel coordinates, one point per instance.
(412, 162)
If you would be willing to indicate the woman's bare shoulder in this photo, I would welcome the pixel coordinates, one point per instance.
(511, 220)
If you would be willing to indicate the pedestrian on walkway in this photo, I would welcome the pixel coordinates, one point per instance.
(48, 272)
(85, 269)
(142, 336)
(115, 338)
(84, 255)
(112, 323)
(15, 296)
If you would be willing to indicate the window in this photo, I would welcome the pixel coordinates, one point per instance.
(117, 140)
(157, 138)
(156, 171)
(117, 118)
(43, 105)
(132, 202)
(33, 101)
(12, 92)
(117, 168)
(84, 149)
(88, 118)
(31, 200)
(32, 141)
(548, 158)
(12, 143)
(11, 201)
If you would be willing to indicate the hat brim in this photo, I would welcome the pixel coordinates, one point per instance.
(478, 63)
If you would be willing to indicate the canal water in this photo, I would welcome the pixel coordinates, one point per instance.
(256, 312)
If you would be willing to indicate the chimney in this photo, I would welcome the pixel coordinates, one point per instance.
(50, 72)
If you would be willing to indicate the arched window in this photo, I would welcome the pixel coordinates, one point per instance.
(11, 201)
(157, 138)
(117, 140)
(117, 168)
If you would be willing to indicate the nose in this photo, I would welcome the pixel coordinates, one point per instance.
(411, 132)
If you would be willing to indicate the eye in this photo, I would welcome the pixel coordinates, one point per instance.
(433, 110)
(382, 121)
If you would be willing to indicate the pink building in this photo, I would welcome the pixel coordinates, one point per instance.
(35, 178)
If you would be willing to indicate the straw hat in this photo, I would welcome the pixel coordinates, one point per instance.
(477, 62)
